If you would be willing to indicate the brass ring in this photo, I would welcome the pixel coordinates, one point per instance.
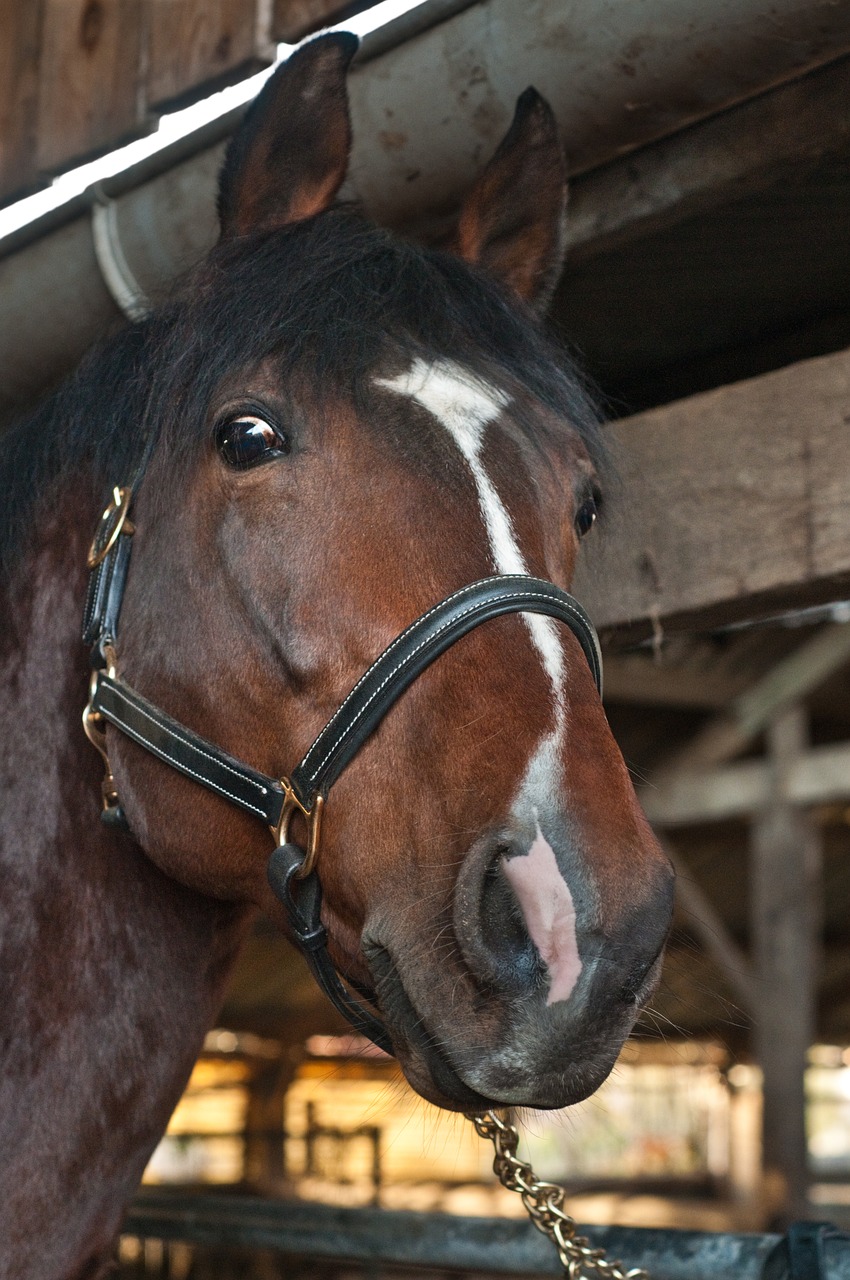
(313, 819)
(118, 507)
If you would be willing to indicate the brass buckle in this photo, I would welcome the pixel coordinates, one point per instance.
(313, 818)
(118, 508)
(93, 726)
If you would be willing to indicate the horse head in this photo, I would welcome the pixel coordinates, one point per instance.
(348, 429)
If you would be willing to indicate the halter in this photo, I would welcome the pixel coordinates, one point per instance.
(292, 868)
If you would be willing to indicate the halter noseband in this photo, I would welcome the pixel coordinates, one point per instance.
(304, 791)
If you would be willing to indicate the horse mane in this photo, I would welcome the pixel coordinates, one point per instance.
(345, 296)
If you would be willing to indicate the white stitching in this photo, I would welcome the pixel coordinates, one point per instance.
(567, 605)
(398, 640)
(539, 595)
(192, 746)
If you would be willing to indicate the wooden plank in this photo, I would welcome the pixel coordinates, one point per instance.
(821, 776)
(20, 25)
(793, 678)
(265, 1167)
(89, 95)
(194, 41)
(633, 679)
(728, 504)
(294, 19)
(688, 799)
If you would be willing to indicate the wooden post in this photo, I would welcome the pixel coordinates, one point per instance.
(785, 867)
(265, 1158)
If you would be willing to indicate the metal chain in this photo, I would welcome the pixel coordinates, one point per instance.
(543, 1203)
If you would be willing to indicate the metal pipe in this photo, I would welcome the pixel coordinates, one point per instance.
(426, 114)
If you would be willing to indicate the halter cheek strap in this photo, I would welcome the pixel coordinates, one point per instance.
(276, 801)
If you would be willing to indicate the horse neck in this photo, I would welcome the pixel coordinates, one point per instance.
(112, 971)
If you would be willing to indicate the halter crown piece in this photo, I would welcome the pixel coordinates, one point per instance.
(292, 868)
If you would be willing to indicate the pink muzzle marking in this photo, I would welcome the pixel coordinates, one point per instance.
(547, 905)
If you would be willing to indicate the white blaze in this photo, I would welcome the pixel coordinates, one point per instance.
(465, 406)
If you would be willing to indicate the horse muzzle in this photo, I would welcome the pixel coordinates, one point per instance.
(533, 998)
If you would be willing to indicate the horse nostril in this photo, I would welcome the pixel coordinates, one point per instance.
(513, 960)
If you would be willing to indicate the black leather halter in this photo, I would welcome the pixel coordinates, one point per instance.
(276, 801)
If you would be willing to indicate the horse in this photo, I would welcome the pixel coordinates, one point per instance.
(326, 434)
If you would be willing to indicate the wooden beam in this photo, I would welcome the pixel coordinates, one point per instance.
(264, 1162)
(706, 923)
(688, 799)
(635, 679)
(819, 776)
(794, 678)
(735, 153)
(790, 680)
(729, 504)
(292, 20)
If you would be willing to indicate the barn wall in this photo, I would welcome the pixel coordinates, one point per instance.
(80, 76)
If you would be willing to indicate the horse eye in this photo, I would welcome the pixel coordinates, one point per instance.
(248, 439)
(586, 517)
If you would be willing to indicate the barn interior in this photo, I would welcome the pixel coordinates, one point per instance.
(707, 295)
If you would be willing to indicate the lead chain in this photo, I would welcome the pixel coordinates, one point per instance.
(543, 1203)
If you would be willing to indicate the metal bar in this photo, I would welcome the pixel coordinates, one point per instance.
(436, 1240)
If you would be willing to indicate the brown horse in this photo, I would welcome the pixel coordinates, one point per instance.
(342, 429)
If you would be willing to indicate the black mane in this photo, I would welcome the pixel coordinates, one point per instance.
(330, 299)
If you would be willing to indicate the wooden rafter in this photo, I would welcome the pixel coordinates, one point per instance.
(730, 155)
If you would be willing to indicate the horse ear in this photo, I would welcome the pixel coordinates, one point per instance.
(513, 220)
(289, 157)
